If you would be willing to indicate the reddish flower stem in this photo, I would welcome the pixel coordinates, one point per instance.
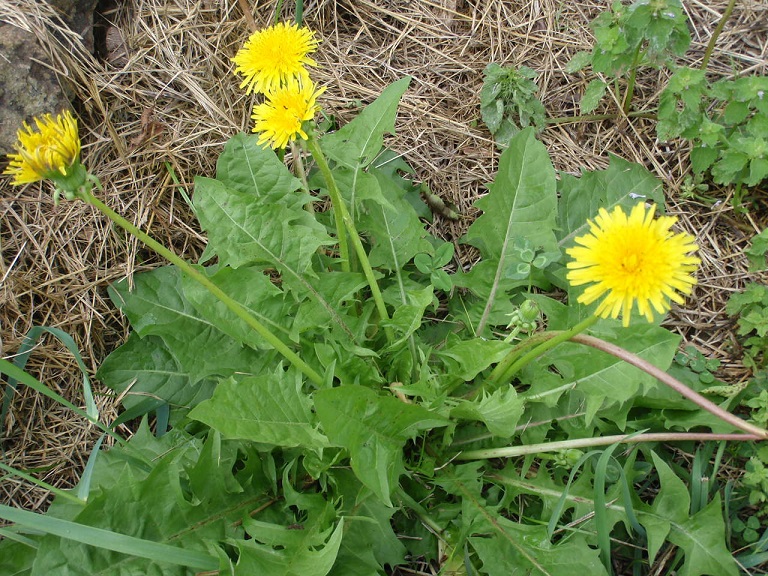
(673, 383)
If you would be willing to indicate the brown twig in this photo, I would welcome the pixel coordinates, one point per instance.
(247, 13)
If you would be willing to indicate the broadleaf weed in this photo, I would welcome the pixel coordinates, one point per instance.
(329, 376)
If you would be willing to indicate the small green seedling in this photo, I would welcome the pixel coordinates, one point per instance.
(751, 307)
(508, 102)
(646, 33)
(698, 363)
(726, 122)
(432, 265)
(756, 253)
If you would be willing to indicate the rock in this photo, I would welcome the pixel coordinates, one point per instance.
(78, 14)
(27, 88)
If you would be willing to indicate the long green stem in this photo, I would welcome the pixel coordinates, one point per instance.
(298, 166)
(299, 15)
(521, 428)
(337, 201)
(344, 220)
(240, 311)
(517, 351)
(513, 451)
(511, 364)
(631, 83)
(716, 34)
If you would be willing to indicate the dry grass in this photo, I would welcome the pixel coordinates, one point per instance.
(164, 93)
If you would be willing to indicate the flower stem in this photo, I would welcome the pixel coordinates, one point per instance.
(344, 220)
(716, 34)
(298, 166)
(512, 451)
(673, 383)
(631, 83)
(299, 12)
(512, 362)
(337, 201)
(238, 309)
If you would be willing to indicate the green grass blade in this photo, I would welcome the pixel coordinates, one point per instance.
(180, 188)
(137, 411)
(698, 500)
(84, 486)
(109, 540)
(16, 374)
(758, 555)
(727, 498)
(557, 511)
(16, 537)
(713, 486)
(30, 341)
(699, 478)
(762, 544)
(278, 12)
(751, 560)
(601, 511)
(629, 509)
(31, 479)
(163, 414)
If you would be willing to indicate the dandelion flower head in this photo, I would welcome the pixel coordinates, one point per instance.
(280, 117)
(45, 152)
(633, 259)
(275, 55)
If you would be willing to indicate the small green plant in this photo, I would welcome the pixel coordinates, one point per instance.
(756, 253)
(508, 101)
(694, 187)
(726, 121)
(432, 264)
(759, 406)
(751, 308)
(755, 479)
(749, 530)
(698, 363)
(645, 33)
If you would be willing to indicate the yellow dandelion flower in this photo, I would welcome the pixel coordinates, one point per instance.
(275, 55)
(47, 152)
(630, 259)
(286, 108)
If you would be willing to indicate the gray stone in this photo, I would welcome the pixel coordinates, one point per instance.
(78, 14)
(27, 88)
